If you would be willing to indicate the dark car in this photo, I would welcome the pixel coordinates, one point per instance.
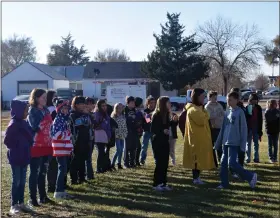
(245, 95)
(23, 98)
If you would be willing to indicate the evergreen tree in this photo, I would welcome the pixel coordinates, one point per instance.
(67, 54)
(175, 61)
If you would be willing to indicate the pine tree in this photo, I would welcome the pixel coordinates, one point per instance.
(175, 61)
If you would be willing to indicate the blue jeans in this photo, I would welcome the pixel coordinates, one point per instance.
(119, 151)
(252, 134)
(273, 146)
(145, 143)
(62, 172)
(37, 177)
(229, 159)
(18, 184)
(89, 167)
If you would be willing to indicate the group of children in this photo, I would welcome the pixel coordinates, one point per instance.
(55, 137)
(59, 137)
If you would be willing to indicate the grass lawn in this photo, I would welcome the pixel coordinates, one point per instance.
(128, 193)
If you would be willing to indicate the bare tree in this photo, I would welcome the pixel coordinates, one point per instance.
(262, 82)
(111, 55)
(235, 48)
(15, 51)
(272, 53)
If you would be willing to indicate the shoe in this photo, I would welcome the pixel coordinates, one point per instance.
(271, 161)
(33, 203)
(198, 181)
(120, 167)
(62, 195)
(113, 168)
(256, 161)
(142, 163)
(275, 161)
(159, 188)
(14, 210)
(127, 166)
(254, 181)
(220, 187)
(235, 176)
(25, 208)
(167, 188)
(173, 162)
(51, 189)
(46, 200)
(138, 164)
(248, 161)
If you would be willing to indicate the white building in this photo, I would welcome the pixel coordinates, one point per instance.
(29, 75)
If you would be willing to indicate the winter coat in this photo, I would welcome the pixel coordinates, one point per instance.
(18, 136)
(198, 147)
(272, 121)
(40, 121)
(259, 118)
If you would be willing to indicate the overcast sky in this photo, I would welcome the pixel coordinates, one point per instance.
(125, 25)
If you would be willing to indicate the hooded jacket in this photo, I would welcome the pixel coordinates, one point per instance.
(272, 121)
(18, 136)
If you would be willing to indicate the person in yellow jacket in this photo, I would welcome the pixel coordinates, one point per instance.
(198, 148)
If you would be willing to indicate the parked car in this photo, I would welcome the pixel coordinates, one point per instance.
(245, 95)
(177, 102)
(23, 98)
(273, 92)
(260, 94)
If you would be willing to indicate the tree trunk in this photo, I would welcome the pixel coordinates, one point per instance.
(225, 79)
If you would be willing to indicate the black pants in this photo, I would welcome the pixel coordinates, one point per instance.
(195, 173)
(101, 160)
(161, 153)
(107, 161)
(52, 174)
(138, 151)
(78, 168)
(130, 150)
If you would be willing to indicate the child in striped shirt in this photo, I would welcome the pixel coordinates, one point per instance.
(62, 146)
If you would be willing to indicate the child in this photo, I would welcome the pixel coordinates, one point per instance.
(173, 136)
(62, 146)
(160, 142)
(121, 134)
(232, 137)
(198, 147)
(80, 125)
(132, 138)
(18, 139)
(90, 105)
(102, 134)
(40, 120)
(255, 124)
(150, 107)
(216, 112)
(272, 127)
(140, 120)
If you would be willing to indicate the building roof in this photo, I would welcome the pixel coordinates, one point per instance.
(53, 72)
(114, 70)
(71, 73)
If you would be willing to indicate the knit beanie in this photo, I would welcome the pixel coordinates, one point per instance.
(138, 102)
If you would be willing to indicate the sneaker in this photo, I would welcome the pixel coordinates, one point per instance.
(14, 210)
(46, 200)
(173, 162)
(167, 188)
(62, 195)
(33, 203)
(113, 168)
(256, 161)
(25, 208)
(120, 167)
(142, 162)
(220, 187)
(235, 176)
(254, 180)
(138, 164)
(159, 188)
(198, 181)
(271, 161)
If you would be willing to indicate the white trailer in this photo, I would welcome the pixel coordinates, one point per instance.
(118, 93)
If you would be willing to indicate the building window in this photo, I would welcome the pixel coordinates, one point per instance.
(103, 88)
(77, 86)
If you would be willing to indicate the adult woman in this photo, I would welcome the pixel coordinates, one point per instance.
(52, 170)
(40, 121)
(198, 151)
(102, 134)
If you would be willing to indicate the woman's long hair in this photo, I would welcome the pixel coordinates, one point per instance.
(50, 97)
(114, 113)
(98, 107)
(195, 95)
(35, 94)
(161, 108)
